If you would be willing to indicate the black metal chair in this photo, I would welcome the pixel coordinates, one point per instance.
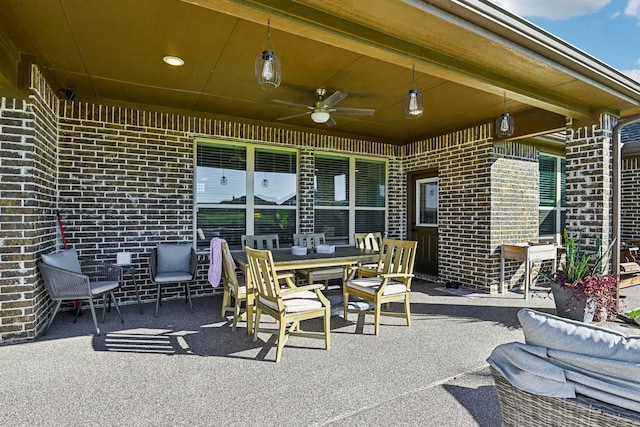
(67, 280)
(172, 263)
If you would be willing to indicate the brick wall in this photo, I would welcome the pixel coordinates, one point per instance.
(28, 133)
(630, 199)
(589, 186)
(482, 190)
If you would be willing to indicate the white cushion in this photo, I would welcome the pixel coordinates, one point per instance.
(546, 330)
(173, 277)
(296, 302)
(371, 284)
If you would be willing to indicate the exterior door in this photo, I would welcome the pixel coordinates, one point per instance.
(423, 221)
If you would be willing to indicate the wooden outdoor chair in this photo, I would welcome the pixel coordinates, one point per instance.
(265, 241)
(233, 287)
(285, 305)
(372, 242)
(392, 281)
(261, 241)
(311, 241)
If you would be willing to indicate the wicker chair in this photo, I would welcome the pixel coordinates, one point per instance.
(520, 408)
(67, 280)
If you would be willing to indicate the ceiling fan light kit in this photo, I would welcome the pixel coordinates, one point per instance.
(320, 116)
(413, 101)
(268, 67)
(505, 124)
(321, 110)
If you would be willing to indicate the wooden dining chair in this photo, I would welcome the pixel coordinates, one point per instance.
(234, 287)
(372, 242)
(392, 281)
(311, 241)
(260, 241)
(288, 306)
(265, 241)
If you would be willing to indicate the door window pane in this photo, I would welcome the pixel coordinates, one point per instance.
(427, 201)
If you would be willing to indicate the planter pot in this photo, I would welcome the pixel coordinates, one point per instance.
(572, 307)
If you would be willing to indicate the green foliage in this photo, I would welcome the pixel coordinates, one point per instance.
(579, 264)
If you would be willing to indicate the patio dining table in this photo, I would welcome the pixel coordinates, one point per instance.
(284, 260)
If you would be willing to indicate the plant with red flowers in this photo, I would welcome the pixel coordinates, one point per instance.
(580, 290)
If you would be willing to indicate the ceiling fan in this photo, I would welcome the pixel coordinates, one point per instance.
(321, 110)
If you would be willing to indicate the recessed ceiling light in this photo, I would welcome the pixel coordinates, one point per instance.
(173, 60)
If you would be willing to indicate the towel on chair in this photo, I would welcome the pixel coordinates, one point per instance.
(215, 261)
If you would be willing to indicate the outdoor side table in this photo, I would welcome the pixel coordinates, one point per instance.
(529, 254)
(130, 272)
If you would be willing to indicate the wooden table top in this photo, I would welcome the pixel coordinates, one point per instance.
(285, 260)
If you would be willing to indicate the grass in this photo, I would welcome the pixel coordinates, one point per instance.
(635, 313)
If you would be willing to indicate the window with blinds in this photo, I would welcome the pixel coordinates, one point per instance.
(244, 189)
(552, 188)
(350, 196)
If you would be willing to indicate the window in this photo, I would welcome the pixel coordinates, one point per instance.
(552, 209)
(427, 202)
(350, 196)
(244, 189)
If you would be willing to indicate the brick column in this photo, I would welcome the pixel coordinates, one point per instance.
(589, 181)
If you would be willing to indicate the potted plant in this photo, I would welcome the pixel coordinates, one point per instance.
(580, 289)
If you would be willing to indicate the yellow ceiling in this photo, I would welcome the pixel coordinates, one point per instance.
(465, 59)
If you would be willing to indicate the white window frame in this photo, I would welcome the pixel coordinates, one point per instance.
(249, 206)
(352, 207)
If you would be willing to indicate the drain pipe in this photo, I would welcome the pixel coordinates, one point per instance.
(617, 166)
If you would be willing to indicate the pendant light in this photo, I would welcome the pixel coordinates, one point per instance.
(223, 179)
(413, 102)
(268, 70)
(505, 124)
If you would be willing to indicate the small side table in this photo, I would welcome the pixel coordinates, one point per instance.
(529, 254)
(130, 272)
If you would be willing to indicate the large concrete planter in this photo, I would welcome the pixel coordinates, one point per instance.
(572, 306)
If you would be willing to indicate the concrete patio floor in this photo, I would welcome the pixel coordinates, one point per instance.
(190, 368)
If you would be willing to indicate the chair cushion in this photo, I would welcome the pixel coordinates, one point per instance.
(103, 286)
(296, 302)
(173, 257)
(173, 277)
(546, 330)
(370, 285)
(67, 260)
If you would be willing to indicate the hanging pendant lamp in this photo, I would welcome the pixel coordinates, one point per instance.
(413, 102)
(505, 124)
(268, 69)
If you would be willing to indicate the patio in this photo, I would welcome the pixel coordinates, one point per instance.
(144, 372)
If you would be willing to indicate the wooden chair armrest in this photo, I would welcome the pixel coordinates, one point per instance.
(287, 292)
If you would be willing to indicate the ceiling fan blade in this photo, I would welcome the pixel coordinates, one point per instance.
(358, 111)
(291, 104)
(294, 115)
(335, 97)
(331, 122)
